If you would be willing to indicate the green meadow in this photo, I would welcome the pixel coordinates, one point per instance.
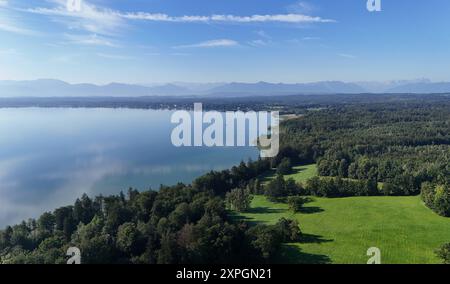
(341, 230)
(299, 173)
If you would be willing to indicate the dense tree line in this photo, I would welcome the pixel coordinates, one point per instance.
(279, 188)
(177, 224)
(298, 104)
(402, 144)
(437, 197)
(338, 187)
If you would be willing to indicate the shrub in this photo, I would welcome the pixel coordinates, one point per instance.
(296, 203)
(285, 167)
(239, 199)
(289, 230)
(437, 198)
(444, 253)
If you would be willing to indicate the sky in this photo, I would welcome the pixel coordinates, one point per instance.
(156, 41)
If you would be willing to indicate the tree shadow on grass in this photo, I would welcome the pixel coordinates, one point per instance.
(316, 239)
(238, 218)
(267, 176)
(291, 254)
(311, 210)
(297, 170)
(266, 210)
(258, 210)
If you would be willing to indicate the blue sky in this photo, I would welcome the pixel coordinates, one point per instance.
(151, 41)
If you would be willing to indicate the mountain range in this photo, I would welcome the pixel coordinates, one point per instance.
(57, 88)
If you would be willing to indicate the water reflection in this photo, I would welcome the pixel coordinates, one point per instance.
(49, 157)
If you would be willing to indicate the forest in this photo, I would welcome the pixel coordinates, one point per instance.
(403, 146)
(176, 224)
(399, 147)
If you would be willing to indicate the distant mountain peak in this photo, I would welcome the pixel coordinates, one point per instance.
(57, 88)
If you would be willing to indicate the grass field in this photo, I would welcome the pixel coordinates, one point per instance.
(341, 230)
(299, 173)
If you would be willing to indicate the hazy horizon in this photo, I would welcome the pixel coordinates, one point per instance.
(178, 82)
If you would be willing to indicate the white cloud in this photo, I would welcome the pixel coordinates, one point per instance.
(211, 43)
(158, 17)
(3, 3)
(106, 21)
(65, 58)
(282, 18)
(90, 18)
(13, 29)
(115, 56)
(265, 39)
(180, 54)
(263, 34)
(103, 23)
(17, 30)
(7, 24)
(301, 7)
(258, 42)
(92, 39)
(345, 55)
(310, 38)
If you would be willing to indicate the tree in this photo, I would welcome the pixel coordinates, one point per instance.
(372, 187)
(167, 252)
(436, 197)
(96, 246)
(180, 216)
(292, 188)
(143, 203)
(285, 167)
(289, 230)
(276, 188)
(239, 199)
(21, 236)
(343, 168)
(442, 200)
(444, 253)
(69, 227)
(265, 239)
(258, 188)
(5, 237)
(85, 209)
(61, 214)
(296, 203)
(51, 250)
(46, 223)
(128, 239)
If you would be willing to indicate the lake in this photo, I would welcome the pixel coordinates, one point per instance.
(51, 156)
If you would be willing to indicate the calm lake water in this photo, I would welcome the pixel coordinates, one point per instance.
(49, 157)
